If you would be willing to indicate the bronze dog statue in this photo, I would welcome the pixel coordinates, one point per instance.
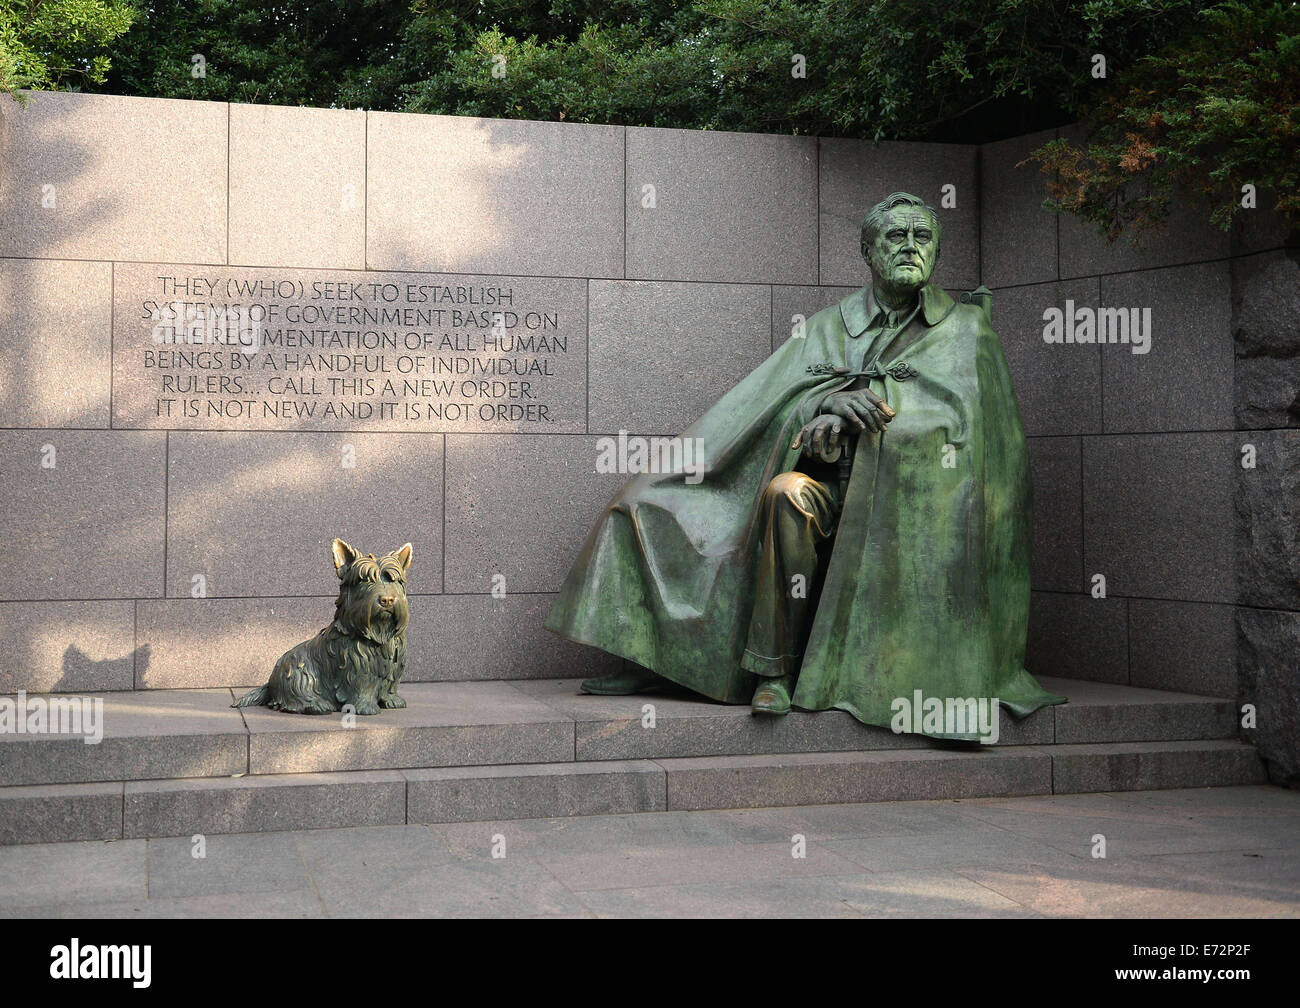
(358, 660)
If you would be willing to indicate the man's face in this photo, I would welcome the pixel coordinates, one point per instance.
(903, 252)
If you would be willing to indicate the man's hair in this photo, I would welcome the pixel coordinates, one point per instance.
(876, 218)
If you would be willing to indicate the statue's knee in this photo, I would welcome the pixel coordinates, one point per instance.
(787, 488)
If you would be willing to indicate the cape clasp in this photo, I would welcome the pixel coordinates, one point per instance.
(827, 368)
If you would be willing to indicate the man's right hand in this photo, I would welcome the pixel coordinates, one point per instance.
(861, 408)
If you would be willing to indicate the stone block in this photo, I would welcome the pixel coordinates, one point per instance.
(1077, 637)
(613, 728)
(1268, 555)
(791, 304)
(254, 513)
(184, 733)
(67, 647)
(1182, 382)
(1269, 641)
(1151, 766)
(1266, 337)
(739, 207)
(265, 864)
(1058, 385)
(520, 508)
(211, 642)
(77, 875)
(477, 637)
(480, 794)
(264, 804)
(1158, 516)
(687, 725)
(443, 724)
(1056, 470)
(1017, 236)
(856, 175)
(826, 778)
(54, 354)
(662, 354)
(1099, 713)
(85, 510)
(297, 186)
(225, 348)
(1188, 647)
(464, 195)
(104, 177)
(236, 642)
(59, 813)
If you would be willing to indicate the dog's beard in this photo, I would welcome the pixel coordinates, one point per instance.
(372, 622)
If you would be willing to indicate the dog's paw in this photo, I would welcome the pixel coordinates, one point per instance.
(367, 707)
(392, 702)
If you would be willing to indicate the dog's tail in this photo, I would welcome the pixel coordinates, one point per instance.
(253, 698)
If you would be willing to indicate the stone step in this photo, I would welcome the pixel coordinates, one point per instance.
(171, 734)
(259, 803)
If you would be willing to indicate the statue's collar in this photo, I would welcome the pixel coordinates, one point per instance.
(859, 309)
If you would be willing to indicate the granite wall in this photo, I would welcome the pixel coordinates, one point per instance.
(167, 517)
(1173, 473)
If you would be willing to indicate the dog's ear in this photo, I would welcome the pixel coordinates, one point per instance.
(403, 557)
(343, 555)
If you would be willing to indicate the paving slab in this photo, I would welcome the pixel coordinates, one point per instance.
(562, 837)
(668, 865)
(971, 858)
(483, 887)
(225, 865)
(1133, 830)
(72, 873)
(304, 904)
(1105, 888)
(893, 894)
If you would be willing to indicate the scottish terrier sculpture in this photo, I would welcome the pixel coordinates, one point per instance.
(357, 660)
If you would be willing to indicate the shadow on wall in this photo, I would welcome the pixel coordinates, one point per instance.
(80, 671)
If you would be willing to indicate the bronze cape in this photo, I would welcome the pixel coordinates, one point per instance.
(927, 586)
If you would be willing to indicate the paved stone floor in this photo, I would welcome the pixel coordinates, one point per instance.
(1203, 852)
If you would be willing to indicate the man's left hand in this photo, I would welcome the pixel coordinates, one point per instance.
(821, 438)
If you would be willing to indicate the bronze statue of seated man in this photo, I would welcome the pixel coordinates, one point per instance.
(863, 525)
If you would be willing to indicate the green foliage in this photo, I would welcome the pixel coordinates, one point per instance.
(346, 53)
(876, 68)
(58, 43)
(1197, 120)
(1193, 101)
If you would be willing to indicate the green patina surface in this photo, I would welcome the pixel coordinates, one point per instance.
(927, 587)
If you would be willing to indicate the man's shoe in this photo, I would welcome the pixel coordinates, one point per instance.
(633, 679)
(773, 696)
